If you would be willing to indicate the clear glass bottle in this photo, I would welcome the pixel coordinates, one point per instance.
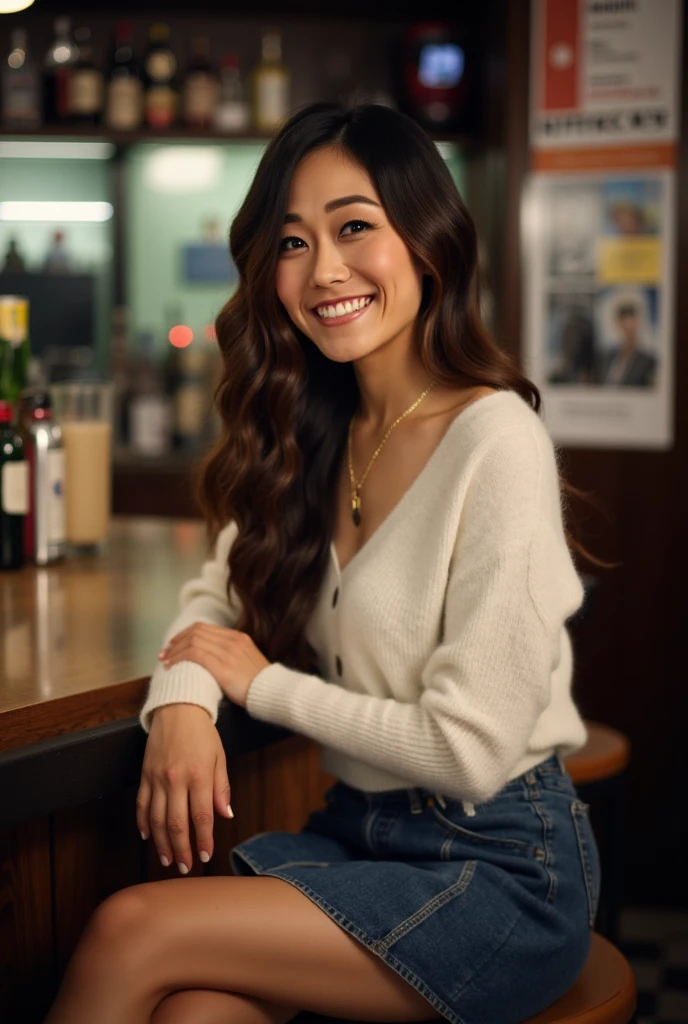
(57, 67)
(57, 259)
(201, 86)
(20, 85)
(14, 491)
(232, 114)
(160, 76)
(271, 85)
(124, 99)
(85, 87)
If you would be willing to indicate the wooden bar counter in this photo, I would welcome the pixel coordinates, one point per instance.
(79, 640)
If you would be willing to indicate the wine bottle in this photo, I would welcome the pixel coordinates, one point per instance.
(160, 70)
(124, 99)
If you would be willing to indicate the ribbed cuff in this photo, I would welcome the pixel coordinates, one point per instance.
(183, 683)
(265, 698)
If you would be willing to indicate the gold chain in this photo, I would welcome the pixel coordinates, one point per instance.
(356, 487)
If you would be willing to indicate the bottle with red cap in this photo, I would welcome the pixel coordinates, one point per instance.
(14, 491)
(44, 528)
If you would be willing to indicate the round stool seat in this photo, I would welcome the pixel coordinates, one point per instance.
(606, 752)
(603, 993)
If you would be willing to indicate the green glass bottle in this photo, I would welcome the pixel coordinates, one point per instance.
(14, 345)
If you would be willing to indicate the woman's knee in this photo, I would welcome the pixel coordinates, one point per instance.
(120, 928)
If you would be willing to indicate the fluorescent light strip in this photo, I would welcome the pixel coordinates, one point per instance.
(55, 211)
(57, 150)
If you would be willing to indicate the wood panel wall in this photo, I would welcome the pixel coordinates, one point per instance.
(54, 871)
(632, 657)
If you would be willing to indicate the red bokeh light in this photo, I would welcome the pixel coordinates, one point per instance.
(180, 336)
(209, 332)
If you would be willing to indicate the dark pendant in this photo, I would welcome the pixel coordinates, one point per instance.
(356, 516)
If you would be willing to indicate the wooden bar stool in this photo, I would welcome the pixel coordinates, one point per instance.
(599, 774)
(603, 993)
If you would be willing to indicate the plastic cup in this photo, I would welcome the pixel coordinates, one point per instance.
(84, 410)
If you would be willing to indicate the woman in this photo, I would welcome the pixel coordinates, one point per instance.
(390, 578)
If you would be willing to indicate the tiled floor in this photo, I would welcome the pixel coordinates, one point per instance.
(655, 943)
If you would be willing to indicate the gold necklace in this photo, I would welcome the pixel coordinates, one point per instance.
(356, 487)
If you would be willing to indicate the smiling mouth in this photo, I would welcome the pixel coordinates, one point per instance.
(334, 321)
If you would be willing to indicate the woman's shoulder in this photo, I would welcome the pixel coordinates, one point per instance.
(500, 425)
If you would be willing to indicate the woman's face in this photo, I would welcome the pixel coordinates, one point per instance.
(348, 252)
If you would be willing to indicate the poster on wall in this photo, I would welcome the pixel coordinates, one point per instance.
(598, 220)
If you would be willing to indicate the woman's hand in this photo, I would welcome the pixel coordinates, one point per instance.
(184, 776)
(231, 657)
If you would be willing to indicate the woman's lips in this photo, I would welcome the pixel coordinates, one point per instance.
(336, 321)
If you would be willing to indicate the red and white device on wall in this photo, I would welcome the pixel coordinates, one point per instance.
(437, 76)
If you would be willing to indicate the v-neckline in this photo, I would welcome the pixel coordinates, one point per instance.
(394, 510)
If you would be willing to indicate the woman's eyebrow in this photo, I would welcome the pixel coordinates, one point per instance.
(334, 204)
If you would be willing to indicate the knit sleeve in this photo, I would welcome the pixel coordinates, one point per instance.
(511, 587)
(202, 599)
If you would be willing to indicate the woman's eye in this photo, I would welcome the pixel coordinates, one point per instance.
(294, 238)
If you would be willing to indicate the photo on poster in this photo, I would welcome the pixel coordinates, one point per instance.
(626, 325)
(571, 353)
(631, 207)
(573, 228)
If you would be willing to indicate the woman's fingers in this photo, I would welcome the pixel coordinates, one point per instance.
(143, 799)
(158, 825)
(202, 816)
(178, 826)
(221, 788)
(196, 646)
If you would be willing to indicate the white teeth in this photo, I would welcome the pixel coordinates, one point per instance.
(342, 308)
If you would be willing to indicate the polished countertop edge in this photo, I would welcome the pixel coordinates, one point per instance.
(74, 768)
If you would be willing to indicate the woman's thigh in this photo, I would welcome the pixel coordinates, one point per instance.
(259, 937)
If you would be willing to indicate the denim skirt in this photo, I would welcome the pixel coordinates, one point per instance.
(485, 909)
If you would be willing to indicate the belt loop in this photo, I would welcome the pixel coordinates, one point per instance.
(416, 802)
(562, 766)
(441, 801)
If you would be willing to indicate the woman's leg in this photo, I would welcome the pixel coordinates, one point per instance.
(258, 937)
(204, 1007)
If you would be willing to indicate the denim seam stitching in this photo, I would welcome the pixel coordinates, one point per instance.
(375, 947)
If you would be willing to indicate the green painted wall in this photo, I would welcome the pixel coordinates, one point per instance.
(89, 244)
(161, 217)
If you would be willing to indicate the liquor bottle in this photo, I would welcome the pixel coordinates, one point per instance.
(124, 101)
(271, 82)
(160, 69)
(44, 526)
(57, 67)
(191, 399)
(232, 113)
(21, 100)
(149, 407)
(14, 491)
(201, 86)
(57, 258)
(14, 261)
(14, 345)
(85, 86)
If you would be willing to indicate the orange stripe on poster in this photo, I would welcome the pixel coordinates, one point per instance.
(602, 158)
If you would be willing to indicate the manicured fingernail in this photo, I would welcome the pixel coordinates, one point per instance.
(205, 856)
(230, 812)
(165, 862)
(183, 870)
(143, 835)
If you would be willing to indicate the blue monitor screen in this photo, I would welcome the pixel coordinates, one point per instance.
(441, 65)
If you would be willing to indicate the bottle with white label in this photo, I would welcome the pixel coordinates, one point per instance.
(14, 492)
(44, 528)
(271, 82)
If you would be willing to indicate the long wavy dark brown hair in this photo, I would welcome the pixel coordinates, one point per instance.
(285, 407)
